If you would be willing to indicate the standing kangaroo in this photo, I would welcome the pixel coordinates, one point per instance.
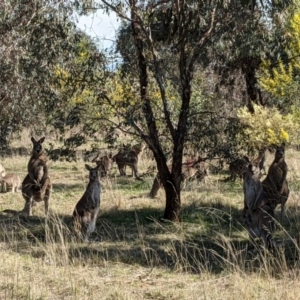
(104, 163)
(139, 148)
(257, 213)
(275, 185)
(9, 181)
(87, 209)
(131, 159)
(37, 186)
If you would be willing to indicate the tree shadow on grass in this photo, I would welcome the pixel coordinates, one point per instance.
(210, 238)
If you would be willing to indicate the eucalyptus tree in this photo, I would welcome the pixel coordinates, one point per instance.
(279, 74)
(163, 44)
(233, 62)
(166, 40)
(38, 39)
(256, 33)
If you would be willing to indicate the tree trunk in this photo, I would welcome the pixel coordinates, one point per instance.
(249, 69)
(171, 179)
(172, 209)
(173, 201)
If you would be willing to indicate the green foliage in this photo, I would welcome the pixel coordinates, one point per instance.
(267, 126)
(279, 76)
(47, 67)
(277, 81)
(34, 36)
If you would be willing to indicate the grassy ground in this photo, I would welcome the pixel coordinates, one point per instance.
(133, 256)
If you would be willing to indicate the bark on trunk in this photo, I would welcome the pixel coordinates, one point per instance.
(171, 179)
(173, 201)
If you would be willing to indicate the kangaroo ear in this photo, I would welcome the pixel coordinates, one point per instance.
(33, 139)
(41, 141)
(88, 167)
(283, 144)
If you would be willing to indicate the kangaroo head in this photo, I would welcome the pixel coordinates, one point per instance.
(254, 168)
(279, 152)
(143, 145)
(262, 151)
(94, 172)
(37, 145)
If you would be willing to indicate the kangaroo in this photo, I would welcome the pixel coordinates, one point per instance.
(104, 163)
(252, 187)
(275, 185)
(257, 213)
(260, 223)
(10, 181)
(37, 186)
(262, 161)
(237, 168)
(22, 151)
(87, 209)
(190, 170)
(139, 148)
(193, 170)
(2, 170)
(127, 159)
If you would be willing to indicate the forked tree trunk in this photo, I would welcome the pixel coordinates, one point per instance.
(187, 60)
(172, 190)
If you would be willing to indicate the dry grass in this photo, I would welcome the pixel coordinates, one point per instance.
(133, 256)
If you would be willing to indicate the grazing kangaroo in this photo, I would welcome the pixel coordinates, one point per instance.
(275, 185)
(104, 163)
(190, 171)
(124, 159)
(87, 209)
(37, 186)
(193, 170)
(257, 213)
(10, 181)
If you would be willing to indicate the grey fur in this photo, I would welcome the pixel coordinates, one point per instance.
(87, 208)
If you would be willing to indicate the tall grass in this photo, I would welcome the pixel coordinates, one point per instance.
(132, 255)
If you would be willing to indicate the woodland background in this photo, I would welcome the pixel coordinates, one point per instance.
(215, 79)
